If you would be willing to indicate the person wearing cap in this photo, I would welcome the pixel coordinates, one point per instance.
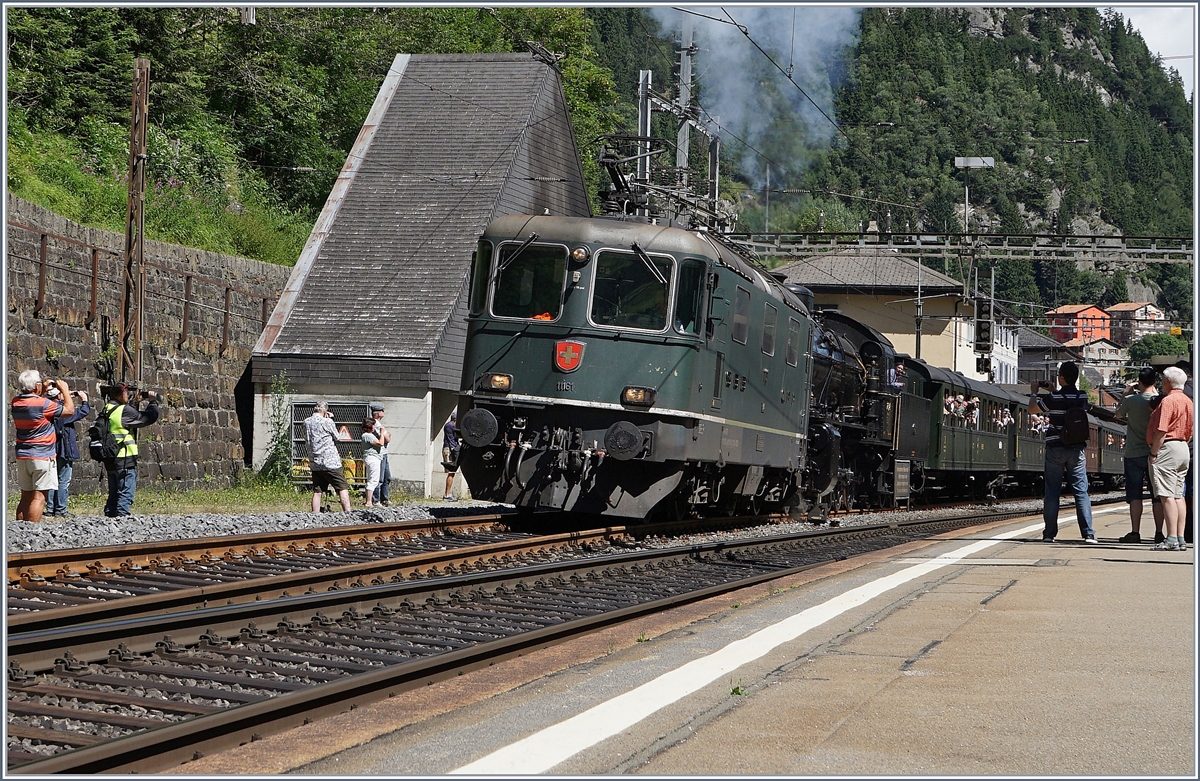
(371, 459)
(124, 419)
(385, 469)
(323, 457)
(450, 447)
(34, 445)
(66, 450)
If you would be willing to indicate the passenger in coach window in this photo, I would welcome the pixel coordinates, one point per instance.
(1063, 460)
(1134, 412)
(1168, 434)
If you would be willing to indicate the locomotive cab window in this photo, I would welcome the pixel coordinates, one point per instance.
(481, 264)
(529, 282)
(690, 297)
(770, 315)
(741, 316)
(792, 354)
(630, 290)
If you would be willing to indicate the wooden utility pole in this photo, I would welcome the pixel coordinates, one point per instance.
(129, 363)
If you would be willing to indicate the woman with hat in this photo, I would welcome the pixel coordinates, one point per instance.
(372, 458)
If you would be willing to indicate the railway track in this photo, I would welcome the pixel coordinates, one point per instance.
(151, 690)
(54, 588)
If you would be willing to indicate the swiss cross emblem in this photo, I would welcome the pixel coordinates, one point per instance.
(568, 355)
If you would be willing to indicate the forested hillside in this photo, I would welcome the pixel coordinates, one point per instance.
(1025, 87)
(251, 122)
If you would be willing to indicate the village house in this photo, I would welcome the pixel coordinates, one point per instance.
(1079, 321)
(1102, 360)
(1134, 320)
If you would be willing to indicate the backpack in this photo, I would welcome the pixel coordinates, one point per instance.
(1075, 430)
(102, 444)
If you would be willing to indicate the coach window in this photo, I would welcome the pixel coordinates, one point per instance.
(529, 281)
(630, 290)
(792, 353)
(479, 276)
(770, 315)
(690, 297)
(741, 316)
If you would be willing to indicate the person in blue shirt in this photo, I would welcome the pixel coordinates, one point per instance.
(66, 451)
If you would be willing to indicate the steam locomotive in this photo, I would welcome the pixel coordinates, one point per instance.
(640, 371)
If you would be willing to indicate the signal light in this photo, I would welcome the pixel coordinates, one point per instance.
(984, 337)
(496, 382)
(638, 397)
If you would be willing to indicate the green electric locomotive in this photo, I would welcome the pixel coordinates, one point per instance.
(629, 369)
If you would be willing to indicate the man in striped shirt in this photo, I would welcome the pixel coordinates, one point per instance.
(33, 418)
(1062, 459)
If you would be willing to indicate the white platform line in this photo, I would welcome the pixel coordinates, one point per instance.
(543, 750)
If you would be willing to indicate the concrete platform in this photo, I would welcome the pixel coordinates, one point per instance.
(982, 652)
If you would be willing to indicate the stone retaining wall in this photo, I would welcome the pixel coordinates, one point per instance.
(64, 298)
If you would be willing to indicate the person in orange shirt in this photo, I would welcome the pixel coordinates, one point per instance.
(1168, 435)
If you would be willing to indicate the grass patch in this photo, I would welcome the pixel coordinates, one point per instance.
(249, 496)
(84, 178)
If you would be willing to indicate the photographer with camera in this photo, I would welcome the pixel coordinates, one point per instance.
(124, 419)
(1065, 454)
(323, 457)
(66, 449)
(33, 415)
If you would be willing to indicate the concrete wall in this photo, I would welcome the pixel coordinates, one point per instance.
(56, 324)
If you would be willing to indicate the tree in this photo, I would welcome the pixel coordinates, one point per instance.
(1156, 344)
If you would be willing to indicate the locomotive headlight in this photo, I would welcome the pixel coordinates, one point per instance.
(579, 255)
(638, 397)
(496, 382)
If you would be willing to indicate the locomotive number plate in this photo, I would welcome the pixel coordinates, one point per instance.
(563, 385)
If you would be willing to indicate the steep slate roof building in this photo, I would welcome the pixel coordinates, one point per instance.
(1040, 355)
(375, 307)
(879, 287)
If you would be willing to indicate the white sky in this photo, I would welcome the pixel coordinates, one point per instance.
(1169, 31)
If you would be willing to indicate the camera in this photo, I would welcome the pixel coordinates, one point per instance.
(1046, 384)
